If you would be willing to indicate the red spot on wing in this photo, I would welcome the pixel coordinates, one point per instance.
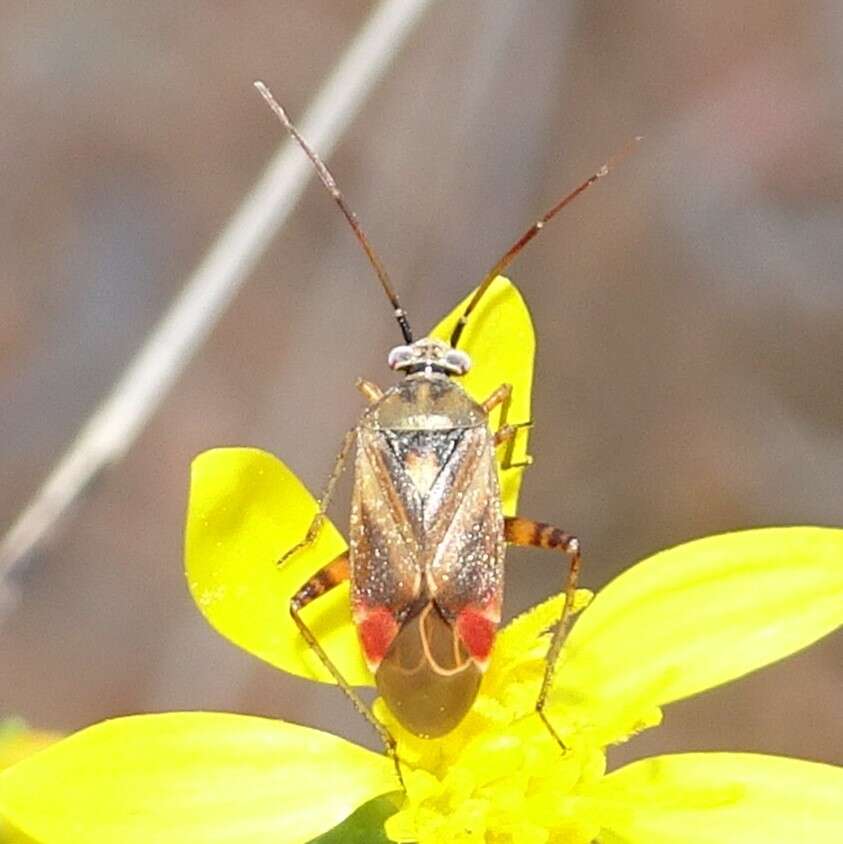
(377, 628)
(477, 632)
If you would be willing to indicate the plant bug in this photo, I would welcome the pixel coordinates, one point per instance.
(427, 531)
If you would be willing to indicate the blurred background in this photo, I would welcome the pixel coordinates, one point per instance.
(689, 309)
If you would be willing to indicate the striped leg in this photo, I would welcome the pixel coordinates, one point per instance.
(520, 531)
(323, 581)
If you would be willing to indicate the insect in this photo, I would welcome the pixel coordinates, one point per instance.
(427, 531)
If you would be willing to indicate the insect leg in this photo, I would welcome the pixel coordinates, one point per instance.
(371, 391)
(323, 581)
(504, 434)
(520, 531)
(325, 500)
(499, 396)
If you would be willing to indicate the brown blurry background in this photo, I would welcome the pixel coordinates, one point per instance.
(689, 309)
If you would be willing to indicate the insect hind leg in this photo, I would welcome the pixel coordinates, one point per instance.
(323, 581)
(520, 531)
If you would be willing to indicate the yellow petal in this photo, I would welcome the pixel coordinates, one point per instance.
(366, 824)
(499, 338)
(17, 742)
(10, 835)
(518, 659)
(246, 510)
(198, 777)
(531, 630)
(700, 614)
(719, 798)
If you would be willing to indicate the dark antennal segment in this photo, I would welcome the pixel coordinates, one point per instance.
(331, 184)
(528, 235)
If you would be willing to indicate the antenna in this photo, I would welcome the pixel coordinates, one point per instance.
(331, 184)
(512, 252)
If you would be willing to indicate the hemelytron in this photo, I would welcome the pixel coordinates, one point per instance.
(427, 533)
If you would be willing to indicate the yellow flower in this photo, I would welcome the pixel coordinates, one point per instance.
(682, 621)
(17, 741)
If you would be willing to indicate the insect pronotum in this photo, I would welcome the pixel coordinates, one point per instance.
(427, 531)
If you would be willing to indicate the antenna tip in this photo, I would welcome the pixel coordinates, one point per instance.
(273, 104)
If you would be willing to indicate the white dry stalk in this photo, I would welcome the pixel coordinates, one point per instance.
(117, 421)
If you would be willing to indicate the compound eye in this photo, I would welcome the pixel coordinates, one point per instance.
(399, 356)
(458, 361)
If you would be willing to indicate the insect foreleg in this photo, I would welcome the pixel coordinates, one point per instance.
(325, 500)
(520, 531)
(499, 396)
(372, 392)
(323, 581)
